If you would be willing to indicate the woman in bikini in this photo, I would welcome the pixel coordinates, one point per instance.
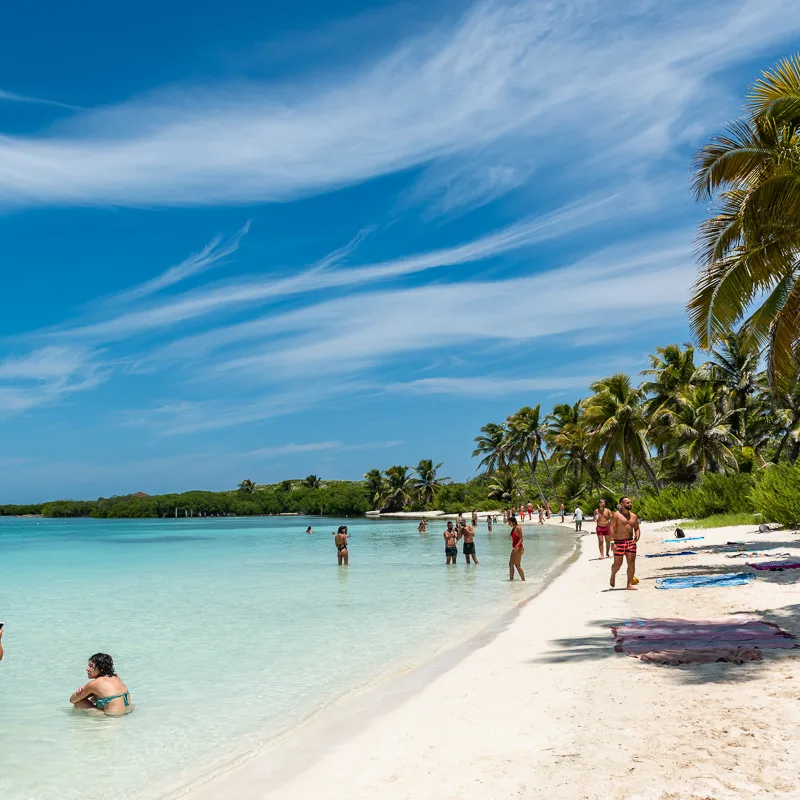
(104, 691)
(517, 549)
(340, 540)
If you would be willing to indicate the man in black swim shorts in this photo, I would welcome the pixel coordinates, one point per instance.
(468, 532)
(450, 549)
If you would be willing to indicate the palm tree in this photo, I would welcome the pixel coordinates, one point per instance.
(491, 445)
(526, 438)
(503, 487)
(312, 482)
(615, 414)
(733, 367)
(576, 452)
(786, 413)
(562, 415)
(427, 482)
(247, 486)
(699, 432)
(400, 486)
(749, 248)
(671, 368)
(375, 487)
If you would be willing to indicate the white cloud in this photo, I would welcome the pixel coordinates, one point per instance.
(550, 80)
(13, 97)
(214, 252)
(491, 386)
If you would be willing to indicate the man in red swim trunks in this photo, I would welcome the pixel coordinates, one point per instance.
(625, 532)
(602, 518)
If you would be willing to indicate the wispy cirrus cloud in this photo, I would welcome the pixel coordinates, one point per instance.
(46, 376)
(216, 251)
(520, 77)
(319, 276)
(14, 97)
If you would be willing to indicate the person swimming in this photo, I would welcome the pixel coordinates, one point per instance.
(309, 529)
(340, 540)
(105, 690)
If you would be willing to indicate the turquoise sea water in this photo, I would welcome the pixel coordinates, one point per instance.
(227, 632)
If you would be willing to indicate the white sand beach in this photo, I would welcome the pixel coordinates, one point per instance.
(546, 708)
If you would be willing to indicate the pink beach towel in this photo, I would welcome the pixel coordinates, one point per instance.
(775, 565)
(686, 638)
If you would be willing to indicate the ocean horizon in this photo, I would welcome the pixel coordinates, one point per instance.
(227, 631)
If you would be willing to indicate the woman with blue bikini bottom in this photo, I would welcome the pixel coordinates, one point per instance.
(104, 691)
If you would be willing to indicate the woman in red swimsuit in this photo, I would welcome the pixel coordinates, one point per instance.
(517, 549)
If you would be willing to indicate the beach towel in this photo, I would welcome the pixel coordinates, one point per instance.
(702, 581)
(758, 555)
(664, 555)
(699, 641)
(775, 565)
(685, 539)
(674, 658)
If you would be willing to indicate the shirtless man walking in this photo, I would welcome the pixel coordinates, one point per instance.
(450, 548)
(625, 532)
(468, 532)
(602, 518)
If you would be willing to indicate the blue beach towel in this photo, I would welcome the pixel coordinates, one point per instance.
(685, 539)
(664, 555)
(691, 581)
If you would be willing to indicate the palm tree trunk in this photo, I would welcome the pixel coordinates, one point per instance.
(625, 481)
(651, 475)
(550, 475)
(786, 436)
(532, 465)
(635, 479)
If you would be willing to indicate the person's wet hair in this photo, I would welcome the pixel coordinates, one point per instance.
(342, 529)
(104, 664)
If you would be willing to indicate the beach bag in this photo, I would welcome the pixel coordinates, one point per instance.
(679, 534)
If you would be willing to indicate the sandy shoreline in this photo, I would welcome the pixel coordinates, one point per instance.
(546, 708)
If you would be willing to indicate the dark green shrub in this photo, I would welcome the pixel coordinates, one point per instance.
(776, 494)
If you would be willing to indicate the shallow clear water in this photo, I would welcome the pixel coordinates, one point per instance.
(227, 631)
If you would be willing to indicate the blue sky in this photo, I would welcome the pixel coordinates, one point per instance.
(264, 240)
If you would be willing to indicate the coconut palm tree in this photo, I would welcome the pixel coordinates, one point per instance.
(562, 415)
(399, 486)
(786, 414)
(671, 368)
(749, 248)
(375, 487)
(491, 446)
(427, 481)
(575, 451)
(615, 415)
(247, 486)
(503, 487)
(733, 367)
(312, 482)
(699, 432)
(526, 441)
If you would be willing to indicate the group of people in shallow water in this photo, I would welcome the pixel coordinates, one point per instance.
(543, 512)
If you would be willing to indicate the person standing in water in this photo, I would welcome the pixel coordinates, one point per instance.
(561, 511)
(450, 546)
(602, 518)
(340, 540)
(474, 517)
(104, 690)
(548, 509)
(625, 532)
(540, 512)
(517, 549)
(468, 534)
(309, 529)
(489, 522)
(423, 525)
